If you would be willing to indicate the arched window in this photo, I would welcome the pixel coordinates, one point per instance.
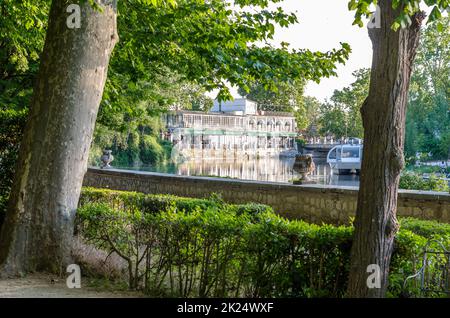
(252, 123)
(287, 126)
(278, 126)
(260, 124)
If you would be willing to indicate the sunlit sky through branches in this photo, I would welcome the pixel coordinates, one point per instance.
(322, 25)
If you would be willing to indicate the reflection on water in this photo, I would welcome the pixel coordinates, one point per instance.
(264, 169)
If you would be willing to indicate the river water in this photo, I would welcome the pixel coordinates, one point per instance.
(263, 169)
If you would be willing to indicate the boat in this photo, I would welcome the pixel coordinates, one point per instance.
(346, 158)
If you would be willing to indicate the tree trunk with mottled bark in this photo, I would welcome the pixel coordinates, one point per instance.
(38, 229)
(383, 114)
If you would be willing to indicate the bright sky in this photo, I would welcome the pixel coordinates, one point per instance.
(322, 25)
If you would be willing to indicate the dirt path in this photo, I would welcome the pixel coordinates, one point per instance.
(46, 286)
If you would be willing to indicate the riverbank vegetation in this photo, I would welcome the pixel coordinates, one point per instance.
(129, 119)
(428, 114)
(414, 181)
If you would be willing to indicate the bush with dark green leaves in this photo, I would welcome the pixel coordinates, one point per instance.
(426, 228)
(136, 150)
(413, 181)
(153, 203)
(218, 253)
(426, 169)
(152, 150)
(182, 247)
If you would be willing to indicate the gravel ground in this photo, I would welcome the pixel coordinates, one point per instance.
(46, 286)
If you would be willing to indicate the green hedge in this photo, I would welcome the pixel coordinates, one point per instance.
(155, 203)
(219, 253)
(413, 181)
(426, 228)
(427, 169)
(191, 247)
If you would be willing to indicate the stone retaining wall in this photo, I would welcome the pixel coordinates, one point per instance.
(313, 203)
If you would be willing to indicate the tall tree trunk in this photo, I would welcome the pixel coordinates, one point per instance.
(38, 229)
(383, 114)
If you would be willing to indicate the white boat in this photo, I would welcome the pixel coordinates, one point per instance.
(345, 158)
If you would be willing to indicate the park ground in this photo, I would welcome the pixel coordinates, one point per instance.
(50, 286)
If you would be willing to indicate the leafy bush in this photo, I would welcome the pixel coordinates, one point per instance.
(414, 181)
(155, 203)
(117, 231)
(205, 248)
(136, 150)
(427, 169)
(217, 253)
(253, 210)
(405, 261)
(425, 228)
(300, 142)
(153, 151)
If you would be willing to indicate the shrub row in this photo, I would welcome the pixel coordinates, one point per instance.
(191, 247)
(155, 203)
(413, 181)
(219, 253)
(426, 228)
(427, 169)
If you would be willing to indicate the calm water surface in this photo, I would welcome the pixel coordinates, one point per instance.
(264, 169)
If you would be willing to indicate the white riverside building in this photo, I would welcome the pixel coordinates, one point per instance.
(231, 130)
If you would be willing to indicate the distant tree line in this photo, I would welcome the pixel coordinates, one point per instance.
(428, 113)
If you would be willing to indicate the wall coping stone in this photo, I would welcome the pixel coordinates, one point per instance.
(403, 194)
